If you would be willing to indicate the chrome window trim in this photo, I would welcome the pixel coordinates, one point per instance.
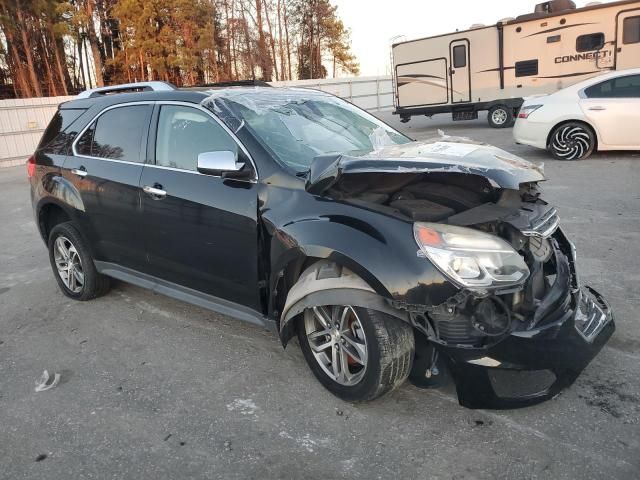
(86, 127)
(146, 164)
(197, 106)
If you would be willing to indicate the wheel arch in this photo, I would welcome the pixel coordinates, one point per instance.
(50, 214)
(312, 281)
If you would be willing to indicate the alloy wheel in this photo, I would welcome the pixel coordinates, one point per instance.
(571, 142)
(499, 116)
(68, 264)
(338, 342)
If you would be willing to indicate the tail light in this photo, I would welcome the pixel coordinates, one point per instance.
(31, 166)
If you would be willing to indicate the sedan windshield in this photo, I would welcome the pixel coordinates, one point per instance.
(298, 125)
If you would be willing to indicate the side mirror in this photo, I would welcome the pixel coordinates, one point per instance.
(218, 163)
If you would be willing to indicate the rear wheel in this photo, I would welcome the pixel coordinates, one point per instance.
(500, 116)
(356, 353)
(572, 141)
(73, 266)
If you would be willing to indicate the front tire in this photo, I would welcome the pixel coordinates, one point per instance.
(572, 141)
(73, 265)
(500, 116)
(358, 354)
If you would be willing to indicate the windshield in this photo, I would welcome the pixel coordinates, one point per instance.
(299, 125)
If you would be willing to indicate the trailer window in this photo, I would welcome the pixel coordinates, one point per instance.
(590, 42)
(631, 30)
(459, 56)
(527, 68)
(553, 39)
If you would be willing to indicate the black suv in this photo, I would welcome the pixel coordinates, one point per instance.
(295, 210)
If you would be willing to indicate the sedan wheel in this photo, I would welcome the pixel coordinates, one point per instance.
(572, 141)
(356, 353)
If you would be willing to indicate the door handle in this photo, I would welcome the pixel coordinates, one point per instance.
(81, 172)
(155, 191)
(597, 109)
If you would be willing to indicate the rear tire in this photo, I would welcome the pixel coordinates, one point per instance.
(572, 141)
(73, 265)
(388, 344)
(500, 116)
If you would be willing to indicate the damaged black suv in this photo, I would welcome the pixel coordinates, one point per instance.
(293, 209)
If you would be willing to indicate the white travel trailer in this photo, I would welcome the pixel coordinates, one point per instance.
(493, 67)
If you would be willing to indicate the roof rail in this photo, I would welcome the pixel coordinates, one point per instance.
(235, 83)
(127, 87)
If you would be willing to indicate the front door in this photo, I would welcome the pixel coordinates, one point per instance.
(459, 71)
(628, 40)
(201, 230)
(105, 167)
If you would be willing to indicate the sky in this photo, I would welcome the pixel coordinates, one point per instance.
(374, 23)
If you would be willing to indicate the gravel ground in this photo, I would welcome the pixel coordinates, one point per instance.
(155, 388)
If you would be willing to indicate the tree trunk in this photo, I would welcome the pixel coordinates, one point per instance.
(280, 43)
(24, 90)
(286, 33)
(81, 63)
(93, 42)
(27, 49)
(272, 42)
(248, 45)
(56, 52)
(53, 90)
(265, 64)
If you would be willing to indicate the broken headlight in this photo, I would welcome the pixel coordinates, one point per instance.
(470, 258)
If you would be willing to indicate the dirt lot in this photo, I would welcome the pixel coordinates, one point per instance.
(155, 388)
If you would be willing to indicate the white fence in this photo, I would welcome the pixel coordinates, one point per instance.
(23, 121)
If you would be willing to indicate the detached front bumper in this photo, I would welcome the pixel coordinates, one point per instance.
(531, 366)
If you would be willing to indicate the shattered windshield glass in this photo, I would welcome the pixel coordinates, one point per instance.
(298, 125)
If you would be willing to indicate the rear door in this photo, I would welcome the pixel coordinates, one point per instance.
(460, 74)
(201, 231)
(105, 167)
(628, 40)
(613, 106)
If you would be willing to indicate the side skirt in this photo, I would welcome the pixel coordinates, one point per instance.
(185, 294)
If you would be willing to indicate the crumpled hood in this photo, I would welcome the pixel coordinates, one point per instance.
(444, 155)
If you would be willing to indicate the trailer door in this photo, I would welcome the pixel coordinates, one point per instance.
(460, 73)
(628, 40)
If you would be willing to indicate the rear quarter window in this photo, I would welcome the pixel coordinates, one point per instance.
(56, 138)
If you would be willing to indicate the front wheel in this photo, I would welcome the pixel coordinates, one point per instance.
(500, 116)
(358, 354)
(572, 141)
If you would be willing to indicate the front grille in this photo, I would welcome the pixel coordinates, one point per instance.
(543, 226)
(592, 314)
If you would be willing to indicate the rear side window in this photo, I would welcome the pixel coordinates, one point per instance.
(184, 133)
(116, 134)
(631, 30)
(459, 56)
(590, 42)
(621, 87)
(527, 68)
(55, 140)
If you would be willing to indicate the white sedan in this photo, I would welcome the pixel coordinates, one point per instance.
(601, 113)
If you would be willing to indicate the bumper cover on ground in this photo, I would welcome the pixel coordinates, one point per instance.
(531, 366)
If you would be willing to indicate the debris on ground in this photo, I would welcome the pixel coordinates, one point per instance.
(47, 382)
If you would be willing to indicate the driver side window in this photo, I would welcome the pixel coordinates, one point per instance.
(185, 132)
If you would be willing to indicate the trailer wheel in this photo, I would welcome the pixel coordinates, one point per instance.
(500, 116)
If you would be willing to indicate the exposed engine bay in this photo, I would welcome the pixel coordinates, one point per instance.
(522, 218)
